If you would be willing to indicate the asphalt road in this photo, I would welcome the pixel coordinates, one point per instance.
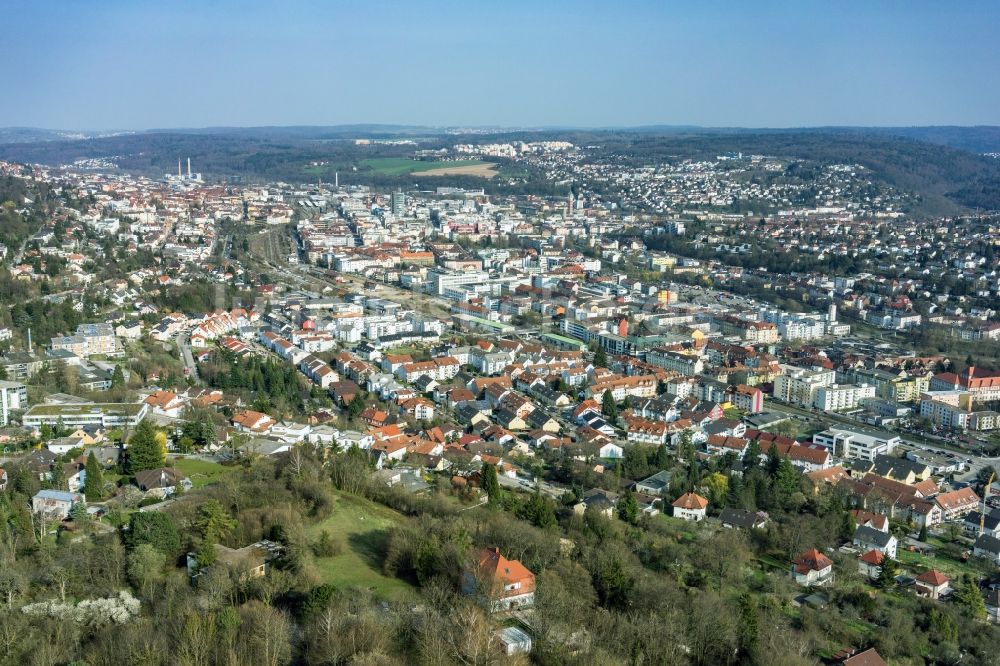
(186, 356)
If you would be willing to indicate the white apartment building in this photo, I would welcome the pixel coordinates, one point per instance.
(439, 281)
(683, 363)
(857, 443)
(799, 385)
(13, 397)
(836, 397)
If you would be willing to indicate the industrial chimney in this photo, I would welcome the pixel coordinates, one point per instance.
(189, 168)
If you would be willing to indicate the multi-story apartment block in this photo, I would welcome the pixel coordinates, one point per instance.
(799, 385)
(683, 362)
(13, 397)
(836, 397)
(982, 386)
(850, 443)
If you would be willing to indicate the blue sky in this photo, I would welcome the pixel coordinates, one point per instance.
(132, 65)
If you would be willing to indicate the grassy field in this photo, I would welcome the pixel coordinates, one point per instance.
(362, 528)
(201, 472)
(399, 166)
(919, 563)
(481, 170)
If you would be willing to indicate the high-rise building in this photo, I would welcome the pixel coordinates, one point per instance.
(13, 397)
(398, 203)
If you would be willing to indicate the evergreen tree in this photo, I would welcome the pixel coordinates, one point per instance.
(968, 597)
(751, 458)
(212, 524)
(734, 495)
(57, 478)
(144, 451)
(748, 635)
(78, 514)
(685, 447)
(847, 525)
(118, 378)
(773, 462)
(888, 571)
(609, 408)
(94, 484)
(628, 508)
(662, 457)
(155, 528)
(787, 481)
(600, 358)
(539, 510)
(356, 406)
(490, 483)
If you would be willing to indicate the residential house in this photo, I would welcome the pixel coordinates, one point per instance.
(161, 482)
(251, 421)
(165, 403)
(957, 503)
(870, 564)
(655, 485)
(690, 506)
(932, 584)
(867, 658)
(812, 568)
(610, 451)
(55, 504)
(602, 501)
(732, 518)
(253, 561)
(507, 583)
(987, 547)
(61, 445)
(868, 538)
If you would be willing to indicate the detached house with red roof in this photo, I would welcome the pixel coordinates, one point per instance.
(251, 421)
(812, 568)
(165, 403)
(690, 506)
(932, 584)
(870, 564)
(508, 583)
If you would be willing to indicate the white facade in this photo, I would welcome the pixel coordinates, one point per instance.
(799, 385)
(837, 397)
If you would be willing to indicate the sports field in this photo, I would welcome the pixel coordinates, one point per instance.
(399, 166)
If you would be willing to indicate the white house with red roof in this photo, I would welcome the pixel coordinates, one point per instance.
(690, 506)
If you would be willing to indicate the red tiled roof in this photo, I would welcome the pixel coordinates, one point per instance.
(691, 502)
(933, 577)
(811, 560)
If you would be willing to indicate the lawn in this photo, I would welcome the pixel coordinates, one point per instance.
(919, 563)
(400, 166)
(362, 527)
(201, 472)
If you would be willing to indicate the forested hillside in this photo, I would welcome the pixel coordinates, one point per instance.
(947, 180)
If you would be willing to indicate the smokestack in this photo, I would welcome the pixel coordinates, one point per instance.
(189, 168)
(178, 167)
(336, 179)
(29, 340)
